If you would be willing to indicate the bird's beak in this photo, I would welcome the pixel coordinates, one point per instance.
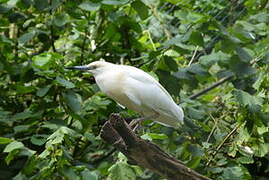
(81, 68)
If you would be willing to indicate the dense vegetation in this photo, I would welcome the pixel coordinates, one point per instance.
(50, 118)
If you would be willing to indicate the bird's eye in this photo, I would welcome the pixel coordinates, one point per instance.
(94, 67)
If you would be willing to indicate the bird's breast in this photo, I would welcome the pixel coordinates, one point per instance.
(113, 85)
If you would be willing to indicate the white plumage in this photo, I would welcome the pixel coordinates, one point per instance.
(136, 90)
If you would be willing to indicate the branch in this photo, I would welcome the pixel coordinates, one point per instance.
(216, 84)
(144, 153)
(51, 30)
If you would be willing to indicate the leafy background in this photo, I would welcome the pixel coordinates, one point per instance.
(50, 118)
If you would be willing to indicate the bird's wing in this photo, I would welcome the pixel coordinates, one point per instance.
(146, 92)
(144, 77)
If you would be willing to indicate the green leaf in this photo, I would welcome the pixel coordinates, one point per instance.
(245, 99)
(261, 149)
(41, 4)
(189, 16)
(42, 61)
(245, 160)
(233, 173)
(243, 55)
(115, 2)
(60, 19)
(121, 170)
(11, 155)
(88, 175)
(73, 100)
(21, 128)
(169, 81)
(21, 89)
(4, 140)
(26, 37)
(171, 63)
(23, 115)
(196, 38)
(89, 6)
(141, 9)
(13, 145)
(43, 91)
(215, 57)
(39, 139)
(197, 69)
(65, 82)
(151, 136)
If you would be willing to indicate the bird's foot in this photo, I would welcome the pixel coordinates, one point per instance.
(136, 121)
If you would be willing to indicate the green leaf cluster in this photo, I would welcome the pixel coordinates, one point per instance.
(50, 118)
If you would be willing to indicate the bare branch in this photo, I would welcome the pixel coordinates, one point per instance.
(216, 84)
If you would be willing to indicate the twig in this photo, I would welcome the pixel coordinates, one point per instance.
(213, 129)
(193, 56)
(222, 142)
(221, 81)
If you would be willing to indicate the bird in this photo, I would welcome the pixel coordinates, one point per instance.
(136, 90)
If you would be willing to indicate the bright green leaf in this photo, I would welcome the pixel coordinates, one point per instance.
(13, 145)
(121, 170)
(4, 140)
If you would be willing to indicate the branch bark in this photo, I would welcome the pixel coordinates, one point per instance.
(144, 153)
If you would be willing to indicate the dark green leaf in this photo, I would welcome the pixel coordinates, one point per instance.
(73, 100)
(65, 82)
(141, 9)
(39, 140)
(43, 91)
(243, 55)
(196, 38)
(246, 99)
(171, 63)
(60, 20)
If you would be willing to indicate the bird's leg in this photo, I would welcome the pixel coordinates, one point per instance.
(134, 124)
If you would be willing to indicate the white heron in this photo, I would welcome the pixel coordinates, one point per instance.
(137, 90)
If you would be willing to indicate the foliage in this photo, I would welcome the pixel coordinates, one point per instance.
(50, 118)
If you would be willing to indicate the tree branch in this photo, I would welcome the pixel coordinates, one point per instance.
(216, 84)
(144, 153)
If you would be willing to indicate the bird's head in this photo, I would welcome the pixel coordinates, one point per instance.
(95, 67)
